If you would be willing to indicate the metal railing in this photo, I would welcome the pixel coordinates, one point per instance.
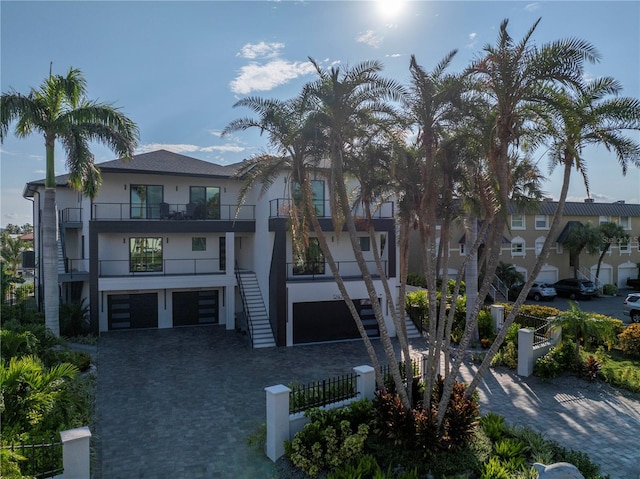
(281, 207)
(539, 325)
(42, 460)
(171, 212)
(322, 393)
(166, 267)
(314, 270)
(245, 306)
(71, 215)
(501, 287)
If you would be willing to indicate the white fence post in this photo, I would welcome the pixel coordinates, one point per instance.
(277, 420)
(497, 313)
(525, 352)
(75, 453)
(366, 382)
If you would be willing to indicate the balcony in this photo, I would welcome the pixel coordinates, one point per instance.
(171, 212)
(167, 267)
(320, 271)
(70, 217)
(280, 208)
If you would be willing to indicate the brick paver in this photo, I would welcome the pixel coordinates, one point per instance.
(181, 403)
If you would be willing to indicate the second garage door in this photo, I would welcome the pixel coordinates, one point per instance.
(133, 311)
(195, 307)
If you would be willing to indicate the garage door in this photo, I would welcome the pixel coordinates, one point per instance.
(548, 275)
(133, 311)
(330, 321)
(625, 272)
(195, 307)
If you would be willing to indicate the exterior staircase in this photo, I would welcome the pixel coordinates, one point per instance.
(61, 262)
(255, 311)
(412, 331)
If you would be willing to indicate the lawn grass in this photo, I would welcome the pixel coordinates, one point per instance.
(618, 369)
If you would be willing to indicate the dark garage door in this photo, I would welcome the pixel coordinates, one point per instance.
(330, 321)
(133, 311)
(195, 307)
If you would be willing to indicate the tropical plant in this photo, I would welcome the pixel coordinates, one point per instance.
(610, 233)
(581, 237)
(582, 325)
(60, 111)
(11, 253)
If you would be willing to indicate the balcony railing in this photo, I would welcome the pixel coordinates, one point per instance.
(71, 215)
(313, 271)
(76, 265)
(167, 267)
(170, 212)
(280, 208)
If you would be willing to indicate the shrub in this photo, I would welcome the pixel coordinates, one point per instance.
(329, 441)
(415, 279)
(493, 425)
(461, 416)
(507, 356)
(485, 324)
(494, 469)
(557, 360)
(74, 319)
(629, 340)
(591, 368)
(510, 452)
(365, 468)
(610, 289)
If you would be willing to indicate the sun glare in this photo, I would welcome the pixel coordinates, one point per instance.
(390, 8)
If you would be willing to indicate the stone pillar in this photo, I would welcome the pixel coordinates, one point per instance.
(366, 382)
(75, 453)
(277, 420)
(525, 352)
(497, 313)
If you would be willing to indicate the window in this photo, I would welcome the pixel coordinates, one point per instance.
(199, 244)
(204, 202)
(517, 222)
(312, 262)
(145, 201)
(542, 222)
(604, 219)
(539, 245)
(222, 251)
(317, 191)
(624, 246)
(625, 222)
(517, 247)
(462, 253)
(365, 243)
(145, 254)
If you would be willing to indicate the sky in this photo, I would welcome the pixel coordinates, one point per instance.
(177, 68)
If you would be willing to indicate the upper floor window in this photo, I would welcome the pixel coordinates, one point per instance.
(517, 247)
(517, 222)
(204, 202)
(145, 201)
(199, 243)
(539, 245)
(311, 262)
(604, 219)
(365, 243)
(317, 192)
(625, 222)
(624, 246)
(145, 254)
(542, 222)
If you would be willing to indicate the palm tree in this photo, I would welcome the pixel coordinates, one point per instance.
(582, 325)
(514, 77)
(582, 237)
(610, 233)
(60, 112)
(11, 253)
(350, 106)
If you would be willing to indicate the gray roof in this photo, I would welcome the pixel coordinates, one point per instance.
(160, 162)
(575, 208)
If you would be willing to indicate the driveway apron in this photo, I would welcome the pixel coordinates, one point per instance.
(181, 403)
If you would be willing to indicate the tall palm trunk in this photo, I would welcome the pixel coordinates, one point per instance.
(50, 262)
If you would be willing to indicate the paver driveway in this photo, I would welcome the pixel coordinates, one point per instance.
(181, 403)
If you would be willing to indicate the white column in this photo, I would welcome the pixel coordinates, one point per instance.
(525, 352)
(366, 382)
(277, 420)
(75, 453)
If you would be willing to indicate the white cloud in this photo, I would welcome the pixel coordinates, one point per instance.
(224, 148)
(371, 38)
(473, 39)
(395, 55)
(532, 7)
(257, 77)
(175, 148)
(260, 50)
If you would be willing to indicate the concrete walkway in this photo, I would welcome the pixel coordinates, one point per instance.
(182, 403)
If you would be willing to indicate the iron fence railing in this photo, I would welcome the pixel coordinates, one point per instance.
(167, 267)
(539, 325)
(41, 460)
(281, 208)
(312, 270)
(322, 393)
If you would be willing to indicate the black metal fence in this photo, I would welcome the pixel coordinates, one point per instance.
(539, 325)
(416, 365)
(38, 460)
(321, 393)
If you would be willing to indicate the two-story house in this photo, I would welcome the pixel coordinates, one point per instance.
(165, 244)
(526, 233)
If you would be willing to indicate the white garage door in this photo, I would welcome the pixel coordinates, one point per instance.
(548, 274)
(626, 271)
(606, 273)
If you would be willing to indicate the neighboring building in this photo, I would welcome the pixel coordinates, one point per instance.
(526, 232)
(164, 244)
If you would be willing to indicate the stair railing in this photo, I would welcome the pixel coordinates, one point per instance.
(500, 286)
(245, 305)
